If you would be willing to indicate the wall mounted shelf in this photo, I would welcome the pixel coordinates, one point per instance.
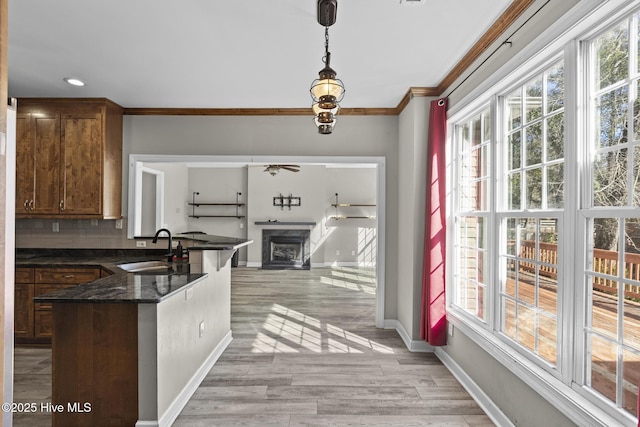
(195, 204)
(338, 216)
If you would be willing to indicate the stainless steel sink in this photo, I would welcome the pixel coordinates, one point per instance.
(136, 267)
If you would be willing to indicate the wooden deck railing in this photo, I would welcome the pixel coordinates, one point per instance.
(605, 262)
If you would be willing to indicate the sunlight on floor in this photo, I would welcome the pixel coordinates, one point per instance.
(289, 331)
(354, 279)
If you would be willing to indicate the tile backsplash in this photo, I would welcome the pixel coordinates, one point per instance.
(73, 233)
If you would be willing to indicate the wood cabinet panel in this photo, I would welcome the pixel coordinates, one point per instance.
(33, 322)
(46, 174)
(43, 324)
(24, 275)
(23, 319)
(82, 169)
(66, 275)
(95, 359)
(24, 164)
(69, 158)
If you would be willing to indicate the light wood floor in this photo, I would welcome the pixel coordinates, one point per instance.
(305, 352)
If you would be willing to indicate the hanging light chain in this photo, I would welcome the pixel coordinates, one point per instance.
(327, 55)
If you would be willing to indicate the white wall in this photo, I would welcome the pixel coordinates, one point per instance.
(176, 190)
(308, 184)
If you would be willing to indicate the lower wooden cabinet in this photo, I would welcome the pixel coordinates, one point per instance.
(23, 305)
(33, 322)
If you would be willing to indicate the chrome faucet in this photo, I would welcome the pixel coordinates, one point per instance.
(155, 240)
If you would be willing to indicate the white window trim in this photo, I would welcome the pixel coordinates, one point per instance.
(576, 402)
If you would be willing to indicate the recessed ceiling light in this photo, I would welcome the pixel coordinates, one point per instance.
(73, 81)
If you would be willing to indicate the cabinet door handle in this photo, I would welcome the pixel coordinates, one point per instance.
(68, 276)
(24, 205)
(31, 203)
(61, 205)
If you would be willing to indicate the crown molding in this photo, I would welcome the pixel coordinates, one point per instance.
(253, 111)
(508, 17)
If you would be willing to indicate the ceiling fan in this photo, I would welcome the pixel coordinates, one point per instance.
(274, 169)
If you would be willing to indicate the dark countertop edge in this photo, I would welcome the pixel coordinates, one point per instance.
(218, 246)
(51, 298)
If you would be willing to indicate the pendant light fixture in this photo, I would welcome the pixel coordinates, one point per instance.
(326, 90)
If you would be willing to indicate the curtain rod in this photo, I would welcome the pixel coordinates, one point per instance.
(506, 42)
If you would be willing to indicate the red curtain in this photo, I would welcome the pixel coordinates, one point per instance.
(433, 317)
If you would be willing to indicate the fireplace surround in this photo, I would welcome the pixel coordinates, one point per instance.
(286, 249)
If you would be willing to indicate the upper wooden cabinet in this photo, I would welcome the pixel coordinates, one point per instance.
(68, 158)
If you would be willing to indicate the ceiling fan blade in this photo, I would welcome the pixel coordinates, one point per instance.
(292, 169)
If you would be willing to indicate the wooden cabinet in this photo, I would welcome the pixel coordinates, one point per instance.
(23, 305)
(69, 158)
(33, 322)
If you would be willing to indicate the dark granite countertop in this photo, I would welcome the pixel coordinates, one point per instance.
(135, 288)
(121, 286)
(207, 242)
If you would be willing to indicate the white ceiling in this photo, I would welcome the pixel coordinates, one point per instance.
(236, 53)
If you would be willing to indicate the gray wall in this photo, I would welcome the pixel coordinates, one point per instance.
(411, 199)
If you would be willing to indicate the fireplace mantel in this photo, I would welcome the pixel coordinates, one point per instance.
(277, 223)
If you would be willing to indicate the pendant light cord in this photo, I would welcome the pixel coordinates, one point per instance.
(506, 42)
(327, 55)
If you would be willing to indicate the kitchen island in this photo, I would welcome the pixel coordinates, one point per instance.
(131, 348)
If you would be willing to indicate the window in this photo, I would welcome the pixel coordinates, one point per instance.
(546, 210)
(530, 212)
(612, 226)
(474, 144)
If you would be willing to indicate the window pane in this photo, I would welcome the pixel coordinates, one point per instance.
(534, 188)
(477, 132)
(603, 367)
(486, 125)
(530, 276)
(483, 160)
(548, 337)
(465, 138)
(534, 100)
(509, 309)
(555, 88)
(632, 251)
(636, 176)
(612, 110)
(555, 186)
(514, 109)
(534, 144)
(525, 326)
(555, 137)
(612, 56)
(604, 310)
(610, 178)
(514, 150)
(630, 372)
(472, 264)
(636, 112)
(513, 191)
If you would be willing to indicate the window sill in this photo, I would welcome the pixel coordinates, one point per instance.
(567, 400)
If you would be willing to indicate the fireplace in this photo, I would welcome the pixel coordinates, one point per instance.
(286, 249)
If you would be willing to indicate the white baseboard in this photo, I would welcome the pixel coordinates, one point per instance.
(181, 400)
(418, 346)
(491, 409)
(253, 264)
